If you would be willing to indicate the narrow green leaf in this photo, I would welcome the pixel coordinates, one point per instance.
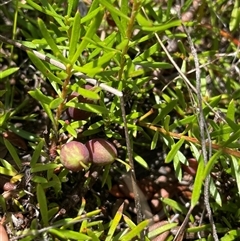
(213, 103)
(88, 107)
(42, 200)
(142, 21)
(135, 231)
(134, 115)
(52, 184)
(235, 17)
(142, 39)
(92, 235)
(153, 14)
(184, 121)
(7, 72)
(70, 7)
(37, 153)
(7, 172)
(86, 93)
(43, 10)
(181, 97)
(47, 5)
(214, 192)
(13, 153)
(207, 227)
(49, 114)
(225, 136)
(39, 179)
(124, 10)
(147, 53)
(75, 35)
(99, 44)
(52, 212)
(236, 94)
(56, 182)
(2, 92)
(140, 160)
(232, 123)
(129, 222)
(231, 110)
(69, 234)
(198, 183)
(195, 150)
(223, 129)
(232, 138)
(91, 14)
(50, 40)
(58, 233)
(112, 9)
(114, 223)
(162, 27)
(231, 235)
(210, 163)
(8, 165)
(147, 64)
(3, 203)
(175, 205)
(39, 167)
(100, 61)
(24, 134)
(44, 101)
(105, 177)
(174, 150)
(4, 115)
(36, 42)
(182, 157)
(78, 124)
(164, 109)
(177, 165)
(39, 96)
(166, 122)
(90, 71)
(68, 128)
(107, 43)
(117, 21)
(169, 8)
(236, 171)
(96, 125)
(83, 226)
(92, 132)
(44, 70)
(182, 48)
(154, 140)
(89, 34)
(161, 229)
(55, 103)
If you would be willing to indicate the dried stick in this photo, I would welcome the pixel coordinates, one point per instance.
(203, 130)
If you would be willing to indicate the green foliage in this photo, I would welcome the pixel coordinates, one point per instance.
(8, 72)
(116, 43)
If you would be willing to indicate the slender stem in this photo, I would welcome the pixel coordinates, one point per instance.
(214, 146)
(64, 94)
(203, 131)
(61, 66)
(129, 32)
(15, 23)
